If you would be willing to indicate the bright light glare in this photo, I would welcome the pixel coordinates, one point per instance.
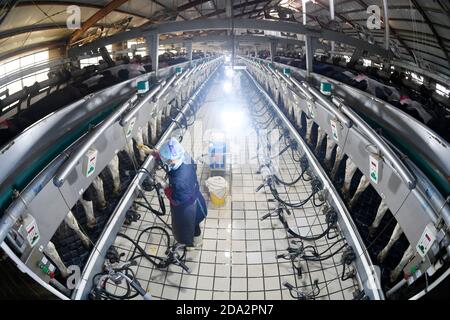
(229, 72)
(227, 58)
(227, 86)
(233, 119)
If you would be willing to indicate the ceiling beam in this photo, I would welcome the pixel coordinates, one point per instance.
(432, 28)
(235, 7)
(337, 14)
(364, 5)
(27, 3)
(393, 31)
(266, 6)
(7, 7)
(444, 6)
(191, 4)
(228, 38)
(40, 27)
(228, 24)
(325, 8)
(100, 14)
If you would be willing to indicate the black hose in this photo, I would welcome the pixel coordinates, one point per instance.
(300, 204)
(289, 184)
(313, 258)
(157, 213)
(103, 293)
(331, 219)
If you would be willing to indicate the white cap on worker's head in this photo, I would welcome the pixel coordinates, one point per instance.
(171, 150)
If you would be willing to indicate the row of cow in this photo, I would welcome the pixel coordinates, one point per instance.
(80, 230)
(417, 104)
(89, 215)
(343, 172)
(386, 242)
(73, 90)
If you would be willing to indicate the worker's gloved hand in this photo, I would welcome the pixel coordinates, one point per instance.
(147, 150)
(168, 192)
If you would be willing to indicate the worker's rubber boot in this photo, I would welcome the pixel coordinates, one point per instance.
(198, 241)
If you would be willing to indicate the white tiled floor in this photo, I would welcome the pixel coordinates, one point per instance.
(238, 256)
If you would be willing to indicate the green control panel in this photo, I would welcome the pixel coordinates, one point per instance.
(47, 267)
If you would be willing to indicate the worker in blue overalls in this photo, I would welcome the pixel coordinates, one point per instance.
(187, 205)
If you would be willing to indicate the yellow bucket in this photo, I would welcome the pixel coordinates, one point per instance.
(217, 201)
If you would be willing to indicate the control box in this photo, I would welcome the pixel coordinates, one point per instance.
(375, 167)
(29, 230)
(142, 87)
(130, 127)
(311, 107)
(325, 88)
(89, 161)
(46, 267)
(426, 240)
(334, 130)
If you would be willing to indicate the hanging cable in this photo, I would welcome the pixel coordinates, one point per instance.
(299, 295)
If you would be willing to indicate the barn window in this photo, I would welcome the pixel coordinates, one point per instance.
(416, 78)
(443, 91)
(20, 64)
(89, 61)
(139, 51)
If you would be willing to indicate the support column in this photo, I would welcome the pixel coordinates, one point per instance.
(309, 54)
(304, 11)
(189, 50)
(229, 14)
(332, 19)
(152, 41)
(386, 24)
(117, 47)
(273, 50)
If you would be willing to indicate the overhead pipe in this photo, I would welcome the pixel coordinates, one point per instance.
(271, 71)
(302, 89)
(183, 75)
(192, 70)
(164, 88)
(128, 116)
(332, 108)
(284, 77)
